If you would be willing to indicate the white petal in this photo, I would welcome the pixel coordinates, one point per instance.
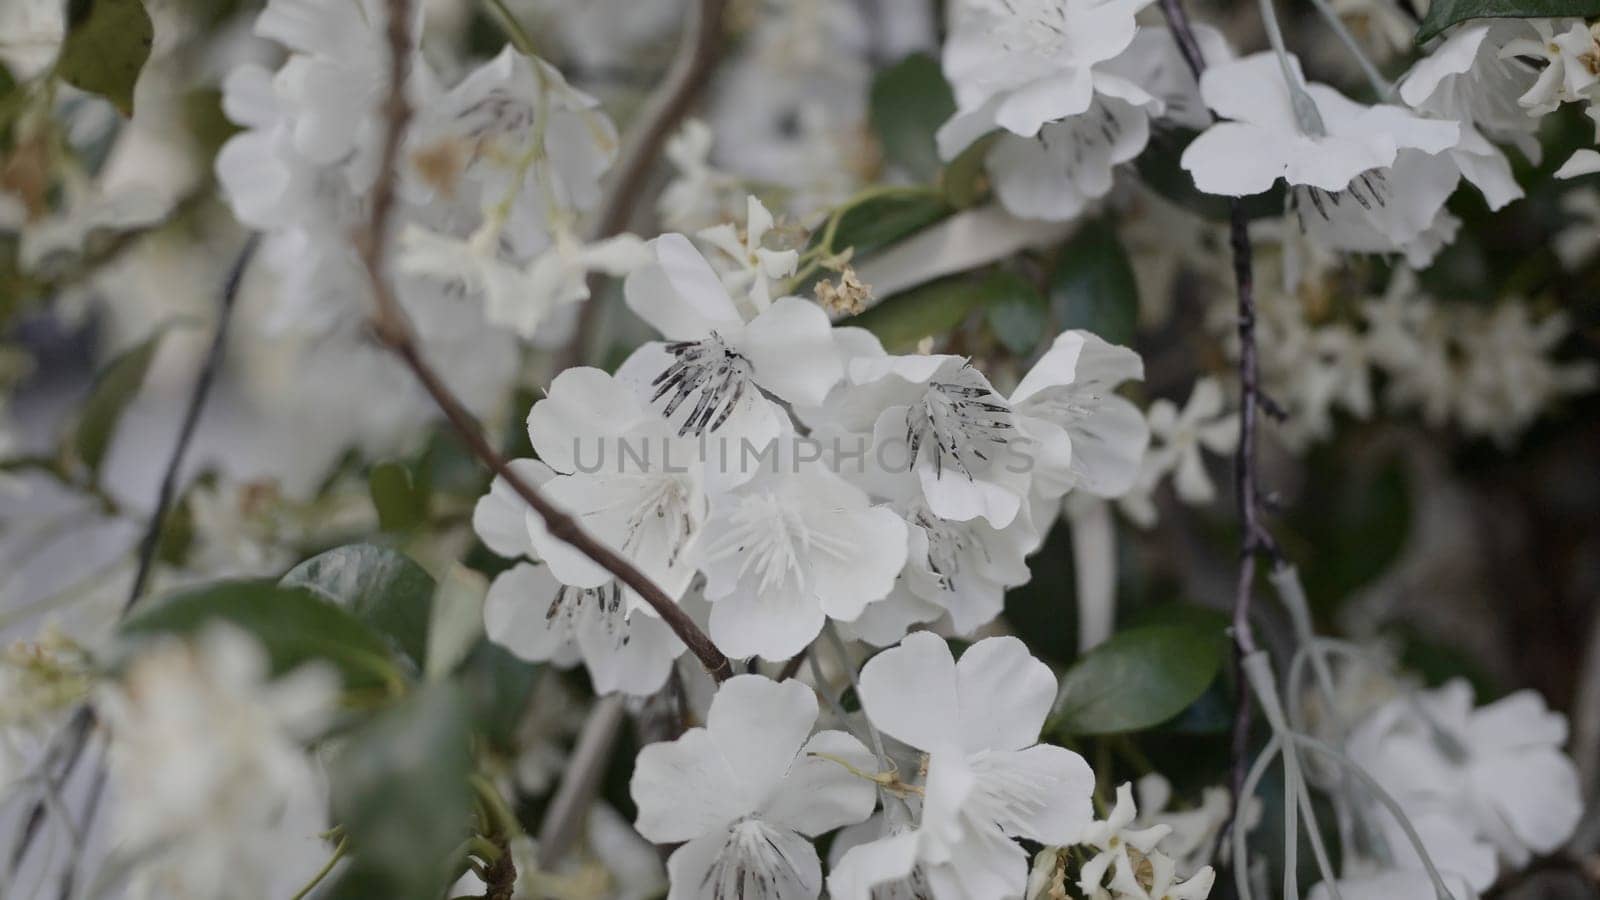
(584, 407)
(500, 517)
(1062, 786)
(909, 692)
(775, 624)
(685, 789)
(864, 866)
(1004, 695)
(819, 795)
(679, 293)
(792, 348)
(759, 724)
(1236, 159)
(1581, 162)
(515, 615)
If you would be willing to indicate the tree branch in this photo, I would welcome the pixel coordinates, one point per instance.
(1254, 538)
(394, 330)
(690, 70)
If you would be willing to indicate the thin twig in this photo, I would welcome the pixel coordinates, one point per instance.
(1254, 538)
(690, 70)
(394, 330)
(582, 779)
(82, 723)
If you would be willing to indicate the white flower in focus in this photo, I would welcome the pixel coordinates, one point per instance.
(1498, 767)
(1080, 433)
(216, 795)
(1571, 55)
(1468, 79)
(721, 357)
(1373, 182)
(755, 267)
(745, 794)
(988, 779)
(627, 479)
(787, 550)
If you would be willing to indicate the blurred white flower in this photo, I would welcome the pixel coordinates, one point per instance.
(754, 267)
(1568, 48)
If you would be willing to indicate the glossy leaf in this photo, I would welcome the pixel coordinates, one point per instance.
(935, 308)
(105, 48)
(876, 223)
(1021, 319)
(380, 586)
(1092, 285)
(1139, 678)
(401, 503)
(909, 101)
(1444, 13)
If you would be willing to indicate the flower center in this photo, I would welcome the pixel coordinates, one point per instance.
(1370, 190)
(573, 605)
(662, 510)
(710, 368)
(947, 542)
(962, 419)
(751, 865)
(772, 538)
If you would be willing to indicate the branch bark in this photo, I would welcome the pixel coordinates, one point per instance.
(394, 330)
(1254, 538)
(690, 70)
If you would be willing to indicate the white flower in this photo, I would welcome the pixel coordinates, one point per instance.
(1192, 833)
(789, 549)
(1028, 69)
(941, 430)
(1499, 767)
(1122, 851)
(721, 359)
(1571, 53)
(624, 476)
(746, 792)
(216, 797)
(988, 780)
(754, 267)
(1373, 182)
(1468, 79)
(1583, 161)
(1181, 435)
(700, 195)
(1081, 434)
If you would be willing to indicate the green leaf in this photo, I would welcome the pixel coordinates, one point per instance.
(909, 101)
(380, 586)
(1021, 318)
(106, 45)
(935, 308)
(1092, 285)
(401, 503)
(401, 791)
(293, 625)
(114, 388)
(1139, 678)
(457, 624)
(965, 181)
(1444, 13)
(880, 221)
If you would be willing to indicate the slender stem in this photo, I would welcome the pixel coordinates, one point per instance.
(513, 28)
(690, 70)
(1375, 78)
(1305, 109)
(837, 643)
(338, 854)
(394, 330)
(581, 781)
(502, 818)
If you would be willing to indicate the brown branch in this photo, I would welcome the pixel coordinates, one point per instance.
(690, 70)
(394, 330)
(1254, 538)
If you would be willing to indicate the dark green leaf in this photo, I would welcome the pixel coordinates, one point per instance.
(1444, 13)
(106, 45)
(498, 687)
(881, 221)
(1021, 318)
(401, 503)
(293, 625)
(114, 388)
(401, 791)
(909, 101)
(1092, 285)
(382, 587)
(1139, 678)
(935, 308)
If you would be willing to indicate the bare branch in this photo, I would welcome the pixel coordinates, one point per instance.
(690, 70)
(394, 330)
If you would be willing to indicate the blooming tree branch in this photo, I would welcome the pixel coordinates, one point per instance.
(394, 331)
